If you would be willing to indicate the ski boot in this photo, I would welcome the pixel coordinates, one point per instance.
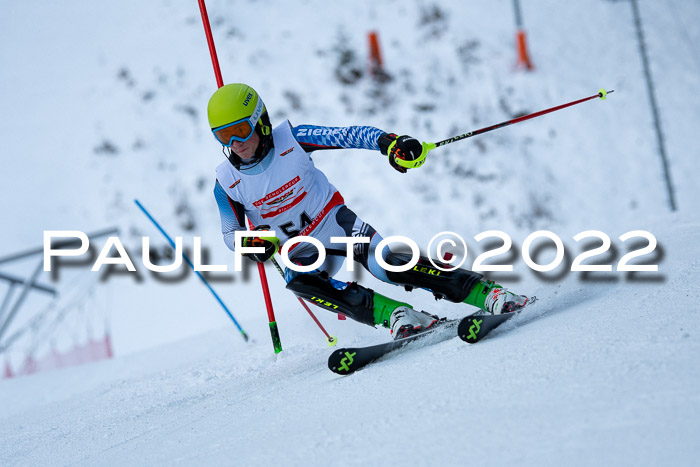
(406, 321)
(500, 300)
(495, 299)
(456, 285)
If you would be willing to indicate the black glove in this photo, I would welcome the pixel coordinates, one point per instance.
(271, 245)
(404, 152)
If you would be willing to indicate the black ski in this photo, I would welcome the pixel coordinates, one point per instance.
(475, 327)
(470, 329)
(348, 360)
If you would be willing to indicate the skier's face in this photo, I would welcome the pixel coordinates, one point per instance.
(246, 149)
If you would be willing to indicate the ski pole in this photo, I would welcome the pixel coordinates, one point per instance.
(187, 260)
(601, 94)
(261, 269)
(332, 340)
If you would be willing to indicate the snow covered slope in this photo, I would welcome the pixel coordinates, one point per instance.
(103, 102)
(595, 373)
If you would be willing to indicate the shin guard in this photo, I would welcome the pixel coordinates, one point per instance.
(453, 285)
(353, 300)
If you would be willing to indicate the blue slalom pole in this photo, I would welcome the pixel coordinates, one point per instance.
(172, 244)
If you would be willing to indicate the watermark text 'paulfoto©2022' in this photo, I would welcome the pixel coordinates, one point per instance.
(439, 240)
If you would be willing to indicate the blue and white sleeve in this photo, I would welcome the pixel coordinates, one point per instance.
(232, 215)
(313, 138)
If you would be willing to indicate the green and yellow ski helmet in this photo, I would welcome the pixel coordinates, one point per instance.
(235, 111)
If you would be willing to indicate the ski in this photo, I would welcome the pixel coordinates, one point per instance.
(348, 360)
(471, 329)
(475, 327)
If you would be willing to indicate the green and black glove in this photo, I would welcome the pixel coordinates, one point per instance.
(271, 245)
(405, 152)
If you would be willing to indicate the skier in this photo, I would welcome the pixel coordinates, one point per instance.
(270, 177)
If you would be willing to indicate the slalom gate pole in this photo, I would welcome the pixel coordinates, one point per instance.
(601, 94)
(261, 269)
(187, 260)
(332, 340)
(210, 43)
(274, 332)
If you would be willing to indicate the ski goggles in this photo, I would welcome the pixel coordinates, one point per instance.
(240, 130)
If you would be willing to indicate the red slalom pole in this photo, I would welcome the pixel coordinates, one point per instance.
(210, 42)
(261, 269)
(601, 95)
(274, 332)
